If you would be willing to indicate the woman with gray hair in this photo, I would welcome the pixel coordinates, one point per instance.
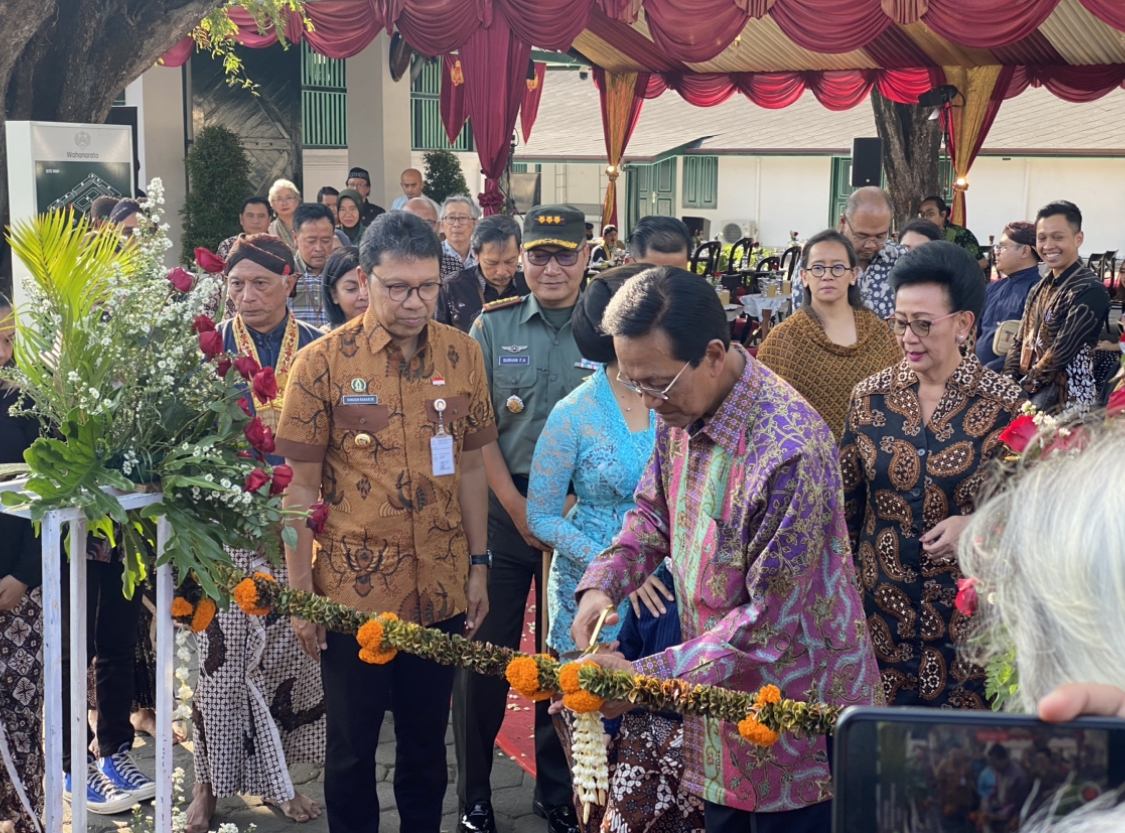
(1046, 557)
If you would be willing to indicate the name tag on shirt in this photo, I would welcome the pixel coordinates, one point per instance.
(441, 454)
(360, 400)
(505, 360)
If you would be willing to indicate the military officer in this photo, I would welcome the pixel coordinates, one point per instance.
(532, 362)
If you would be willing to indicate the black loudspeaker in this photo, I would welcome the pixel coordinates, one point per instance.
(867, 162)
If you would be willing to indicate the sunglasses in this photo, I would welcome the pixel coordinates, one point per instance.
(539, 257)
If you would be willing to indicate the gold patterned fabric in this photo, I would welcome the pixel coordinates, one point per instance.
(393, 539)
(901, 478)
(799, 351)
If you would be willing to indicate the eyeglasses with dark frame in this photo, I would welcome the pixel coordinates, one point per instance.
(399, 292)
(837, 270)
(655, 394)
(919, 327)
(541, 257)
(859, 238)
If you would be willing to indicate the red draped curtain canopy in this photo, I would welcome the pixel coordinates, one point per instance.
(494, 39)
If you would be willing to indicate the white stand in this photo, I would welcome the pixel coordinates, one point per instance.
(52, 663)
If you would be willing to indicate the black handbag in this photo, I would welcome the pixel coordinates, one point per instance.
(1046, 399)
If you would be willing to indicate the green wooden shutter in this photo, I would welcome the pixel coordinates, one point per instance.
(324, 100)
(701, 182)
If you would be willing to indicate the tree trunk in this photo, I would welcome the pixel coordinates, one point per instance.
(67, 61)
(911, 145)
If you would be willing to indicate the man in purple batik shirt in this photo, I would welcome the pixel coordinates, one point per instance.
(743, 492)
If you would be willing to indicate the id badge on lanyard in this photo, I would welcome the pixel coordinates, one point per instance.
(441, 445)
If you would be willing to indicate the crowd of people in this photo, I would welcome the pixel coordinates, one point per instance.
(484, 413)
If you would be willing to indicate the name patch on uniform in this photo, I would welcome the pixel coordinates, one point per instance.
(361, 400)
(515, 360)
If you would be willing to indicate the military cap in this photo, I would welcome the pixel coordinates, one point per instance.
(554, 225)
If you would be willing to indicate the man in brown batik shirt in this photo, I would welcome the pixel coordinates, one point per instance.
(385, 419)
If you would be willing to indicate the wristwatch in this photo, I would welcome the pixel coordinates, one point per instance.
(481, 560)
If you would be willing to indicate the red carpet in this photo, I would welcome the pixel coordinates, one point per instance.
(517, 735)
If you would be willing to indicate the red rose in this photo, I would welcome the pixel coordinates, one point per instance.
(255, 431)
(211, 344)
(265, 384)
(203, 324)
(244, 404)
(319, 517)
(247, 366)
(1116, 403)
(181, 279)
(282, 477)
(966, 596)
(268, 445)
(257, 479)
(1019, 434)
(209, 261)
(223, 368)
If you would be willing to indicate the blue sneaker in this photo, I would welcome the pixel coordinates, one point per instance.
(102, 798)
(123, 774)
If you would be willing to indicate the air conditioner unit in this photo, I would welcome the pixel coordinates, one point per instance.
(731, 231)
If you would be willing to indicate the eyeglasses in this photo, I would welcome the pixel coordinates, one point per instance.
(919, 327)
(860, 239)
(540, 257)
(457, 221)
(399, 292)
(285, 198)
(655, 394)
(837, 271)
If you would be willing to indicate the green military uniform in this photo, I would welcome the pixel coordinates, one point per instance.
(531, 366)
(532, 361)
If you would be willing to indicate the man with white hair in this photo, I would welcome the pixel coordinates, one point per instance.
(428, 210)
(459, 215)
(867, 219)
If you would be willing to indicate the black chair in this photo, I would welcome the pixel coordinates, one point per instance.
(768, 264)
(708, 254)
(739, 255)
(1094, 263)
(1109, 268)
(789, 259)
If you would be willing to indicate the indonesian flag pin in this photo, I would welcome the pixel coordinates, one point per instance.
(438, 381)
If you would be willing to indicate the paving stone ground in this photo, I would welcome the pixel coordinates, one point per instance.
(512, 793)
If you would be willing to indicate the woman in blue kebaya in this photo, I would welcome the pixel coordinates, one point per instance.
(598, 438)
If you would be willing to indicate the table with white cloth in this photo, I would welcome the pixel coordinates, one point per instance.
(754, 304)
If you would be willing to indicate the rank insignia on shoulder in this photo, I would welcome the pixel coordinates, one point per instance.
(491, 306)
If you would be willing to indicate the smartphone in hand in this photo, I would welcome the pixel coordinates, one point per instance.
(942, 771)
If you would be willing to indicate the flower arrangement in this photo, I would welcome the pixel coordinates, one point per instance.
(535, 676)
(123, 367)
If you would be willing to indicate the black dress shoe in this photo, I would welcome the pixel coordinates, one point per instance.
(477, 818)
(562, 819)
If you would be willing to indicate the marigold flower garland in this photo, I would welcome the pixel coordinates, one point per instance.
(585, 686)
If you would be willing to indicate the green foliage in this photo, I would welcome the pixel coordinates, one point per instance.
(444, 177)
(1001, 679)
(219, 175)
(108, 360)
(216, 32)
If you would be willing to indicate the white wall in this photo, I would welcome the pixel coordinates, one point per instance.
(1002, 190)
(324, 166)
(158, 96)
(378, 121)
(779, 193)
